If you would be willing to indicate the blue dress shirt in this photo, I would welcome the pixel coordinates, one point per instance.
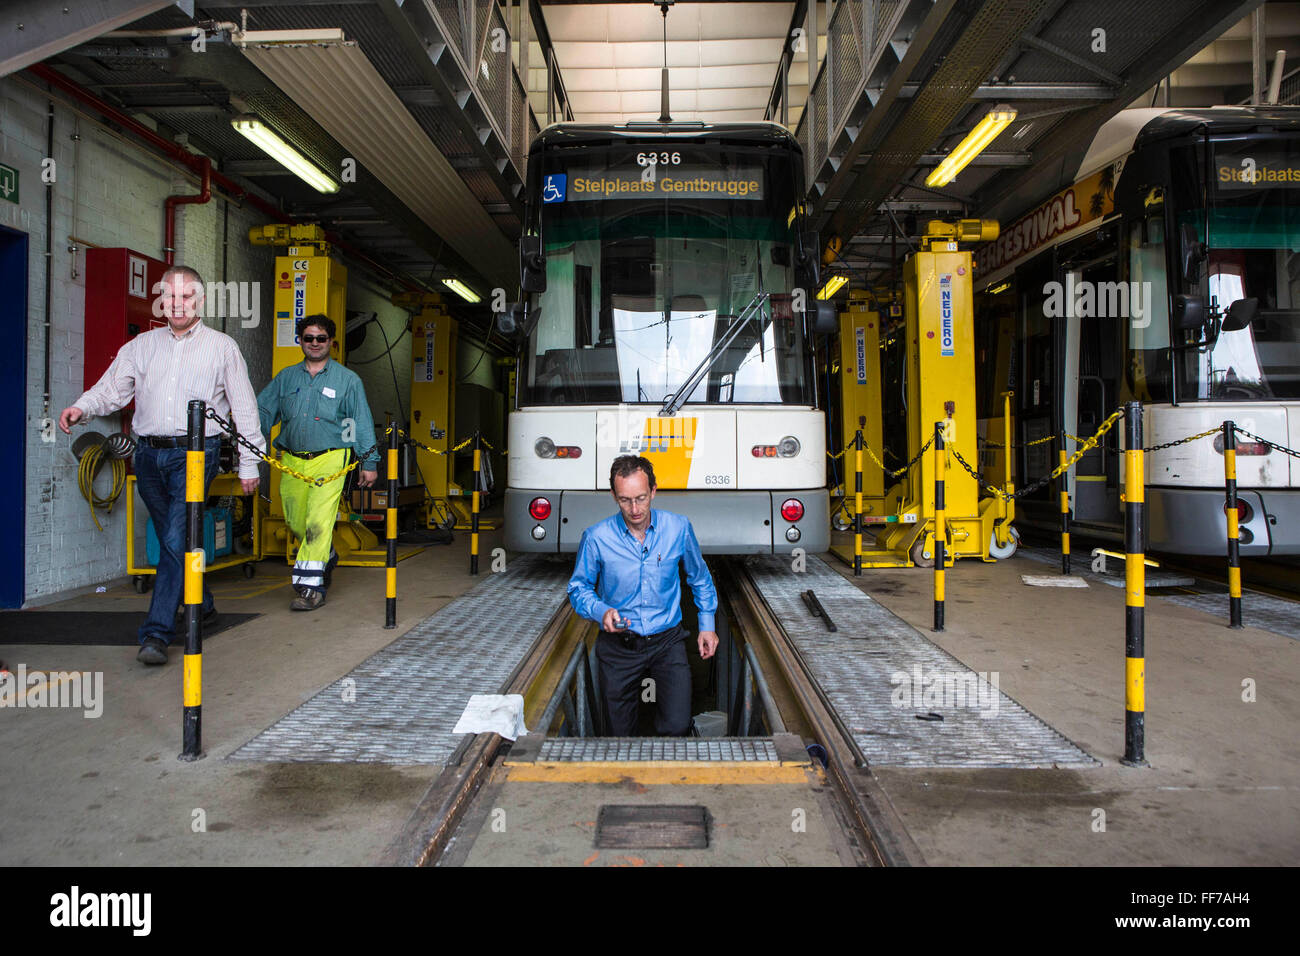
(639, 578)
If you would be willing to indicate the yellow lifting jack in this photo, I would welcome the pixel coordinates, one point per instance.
(938, 384)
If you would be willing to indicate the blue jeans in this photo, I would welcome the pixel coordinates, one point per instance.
(160, 477)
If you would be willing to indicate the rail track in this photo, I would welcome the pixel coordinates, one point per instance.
(795, 704)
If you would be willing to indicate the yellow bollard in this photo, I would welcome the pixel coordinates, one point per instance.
(1234, 530)
(390, 558)
(192, 676)
(940, 527)
(1135, 594)
(857, 505)
(1063, 484)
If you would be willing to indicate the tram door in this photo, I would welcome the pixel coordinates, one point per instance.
(1093, 324)
(1038, 395)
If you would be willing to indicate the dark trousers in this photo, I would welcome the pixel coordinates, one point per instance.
(662, 658)
(160, 479)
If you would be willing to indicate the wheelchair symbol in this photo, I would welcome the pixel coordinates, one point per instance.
(555, 188)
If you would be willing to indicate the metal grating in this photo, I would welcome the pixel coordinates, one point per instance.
(405, 699)
(448, 12)
(518, 126)
(639, 749)
(844, 41)
(879, 672)
(493, 72)
(819, 147)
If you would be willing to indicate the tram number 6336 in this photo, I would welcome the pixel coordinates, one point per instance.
(658, 159)
(717, 479)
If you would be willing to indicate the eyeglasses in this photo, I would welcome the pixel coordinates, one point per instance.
(309, 339)
(639, 500)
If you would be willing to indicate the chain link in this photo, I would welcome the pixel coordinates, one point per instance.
(429, 448)
(1264, 441)
(1183, 441)
(319, 481)
(997, 444)
(1086, 446)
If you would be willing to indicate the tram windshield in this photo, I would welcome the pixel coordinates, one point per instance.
(1252, 252)
(650, 257)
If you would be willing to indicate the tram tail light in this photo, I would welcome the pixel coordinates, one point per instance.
(540, 509)
(792, 509)
(1243, 447)
(1244, 511)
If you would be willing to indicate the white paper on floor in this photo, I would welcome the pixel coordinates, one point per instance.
(1053, 581)
(493, 714)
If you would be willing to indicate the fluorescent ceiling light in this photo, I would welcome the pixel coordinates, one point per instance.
(832, 286)
(462, 290)
(284, 154)
(985, 132)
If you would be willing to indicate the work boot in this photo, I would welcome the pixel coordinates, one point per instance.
(308, 599)
(152, 651)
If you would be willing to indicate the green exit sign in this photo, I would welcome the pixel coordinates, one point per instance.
(8, 183)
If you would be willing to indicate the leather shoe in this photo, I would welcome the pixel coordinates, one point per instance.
(152, 651)
(308, 599)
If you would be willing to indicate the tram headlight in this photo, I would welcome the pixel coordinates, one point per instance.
(792, 509)
(788, 447)
(539, 508)
(792, 534)
(539, 533)
(545, 448)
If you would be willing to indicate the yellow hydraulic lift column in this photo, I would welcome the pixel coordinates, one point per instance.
(433, 400)
(940, 374)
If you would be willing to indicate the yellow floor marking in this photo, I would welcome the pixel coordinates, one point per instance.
(661, 772)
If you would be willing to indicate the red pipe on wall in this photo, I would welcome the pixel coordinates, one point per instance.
(204, 195)
(200, 165)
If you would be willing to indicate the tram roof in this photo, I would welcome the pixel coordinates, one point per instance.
(597, 134)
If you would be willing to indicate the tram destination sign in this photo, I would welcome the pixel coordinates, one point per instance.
(675, 182)
(1242, 171)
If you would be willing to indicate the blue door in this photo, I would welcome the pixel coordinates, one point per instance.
(13, 399)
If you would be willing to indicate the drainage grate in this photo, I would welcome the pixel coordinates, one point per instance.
(656, 827)
(633, 749)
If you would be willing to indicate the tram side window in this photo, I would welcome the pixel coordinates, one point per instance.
(1148, 369)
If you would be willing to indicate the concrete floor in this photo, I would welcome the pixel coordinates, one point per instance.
(110, 790)
(1223, 786)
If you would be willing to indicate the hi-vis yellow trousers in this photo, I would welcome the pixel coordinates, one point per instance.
(310, 513)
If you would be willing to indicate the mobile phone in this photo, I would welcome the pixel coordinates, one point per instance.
(623, 623)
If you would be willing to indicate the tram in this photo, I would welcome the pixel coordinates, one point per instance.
(670, 311)
(1167, 271)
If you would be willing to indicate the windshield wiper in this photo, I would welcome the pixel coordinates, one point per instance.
(674, 401)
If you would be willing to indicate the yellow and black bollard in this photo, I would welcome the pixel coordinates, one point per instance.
(857, 504)
(1064, 485)
(390, 559)
(940, 529)
(473, 514)
(1135, 595)
(192, 678)
(1234, 531)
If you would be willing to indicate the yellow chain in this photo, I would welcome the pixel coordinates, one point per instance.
(1084, 448)
(429, 448)
(834, 457)
(319, 481)
(1040, 441)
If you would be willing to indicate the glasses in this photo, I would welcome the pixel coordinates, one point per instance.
(638, 501)
(309, 339)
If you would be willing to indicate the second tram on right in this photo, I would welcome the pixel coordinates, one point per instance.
(1168, 273)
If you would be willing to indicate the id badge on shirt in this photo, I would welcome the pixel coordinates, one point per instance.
(327, 391)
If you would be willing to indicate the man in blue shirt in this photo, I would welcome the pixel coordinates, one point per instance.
(322, 411)
(626, 580)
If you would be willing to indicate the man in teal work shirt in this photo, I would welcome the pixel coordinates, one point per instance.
(322, 411)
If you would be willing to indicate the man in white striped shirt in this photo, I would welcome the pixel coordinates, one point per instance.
(163, 370)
